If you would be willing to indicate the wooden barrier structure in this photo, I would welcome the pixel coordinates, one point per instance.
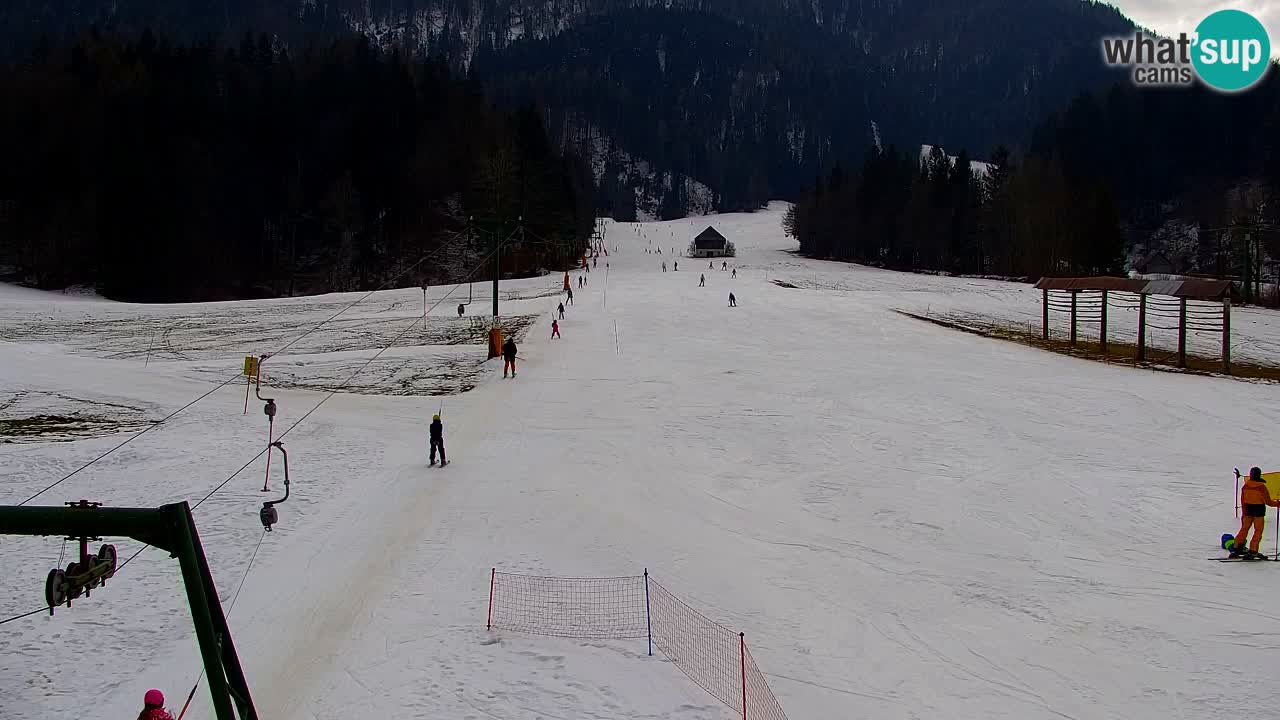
(1197, 305)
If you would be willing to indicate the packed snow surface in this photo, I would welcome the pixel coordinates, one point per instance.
(907, 521)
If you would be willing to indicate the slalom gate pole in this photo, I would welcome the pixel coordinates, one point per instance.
(742, 654)
(1237, 493)
(648, 618)
(493, 575)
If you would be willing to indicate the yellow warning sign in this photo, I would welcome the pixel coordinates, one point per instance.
(1272, 479)
(250, 366)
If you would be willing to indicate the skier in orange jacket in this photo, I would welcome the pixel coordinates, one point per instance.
(1254, 499)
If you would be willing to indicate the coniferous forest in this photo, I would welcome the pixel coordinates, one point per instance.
(328, 154)
(1118, 175)
(162, 171)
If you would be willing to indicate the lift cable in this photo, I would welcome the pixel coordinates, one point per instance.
(340, 387)
(231, 379)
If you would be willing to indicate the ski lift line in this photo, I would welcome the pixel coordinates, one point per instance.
(129, 439)
(230, 606)
(23, 615)
(140, 550)
(364, 297)
(467, 281)
(235, 377)
(337, 389)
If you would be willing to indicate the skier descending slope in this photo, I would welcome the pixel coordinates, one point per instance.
(437, 441)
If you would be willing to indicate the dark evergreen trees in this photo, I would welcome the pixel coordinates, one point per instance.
(936, 213)
(175, 172)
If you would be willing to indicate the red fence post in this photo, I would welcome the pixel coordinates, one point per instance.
(742, 653)
(493, 574)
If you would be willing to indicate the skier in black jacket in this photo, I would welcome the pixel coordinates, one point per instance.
(437, 441)
(509, 357)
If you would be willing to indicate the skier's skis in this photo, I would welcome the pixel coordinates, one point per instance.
(1260, 558)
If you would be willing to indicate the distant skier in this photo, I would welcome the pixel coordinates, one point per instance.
(561, 311)
(664, 266)
(437, 441)
(733, 301)
(711, 265)
(579, 282)
(702, 281)
(570, 296)
(1254, 499)
(677, 267)
(461, 309)
(509, 356)
(596, 261)
(724, 265)
(153, 707)
(555, 329)
(735, 273)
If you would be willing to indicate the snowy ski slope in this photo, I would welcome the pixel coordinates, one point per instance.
(907, 521)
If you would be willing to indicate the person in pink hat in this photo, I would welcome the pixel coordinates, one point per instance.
(153, 707)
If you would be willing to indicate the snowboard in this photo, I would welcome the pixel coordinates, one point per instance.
(1264, 558)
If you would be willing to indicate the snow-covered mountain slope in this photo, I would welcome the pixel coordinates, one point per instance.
(907, 520)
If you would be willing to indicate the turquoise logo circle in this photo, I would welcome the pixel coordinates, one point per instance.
(1232, 51)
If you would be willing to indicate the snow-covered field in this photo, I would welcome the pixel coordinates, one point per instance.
(907, 521)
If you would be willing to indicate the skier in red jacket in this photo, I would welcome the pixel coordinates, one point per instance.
(153, 707)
